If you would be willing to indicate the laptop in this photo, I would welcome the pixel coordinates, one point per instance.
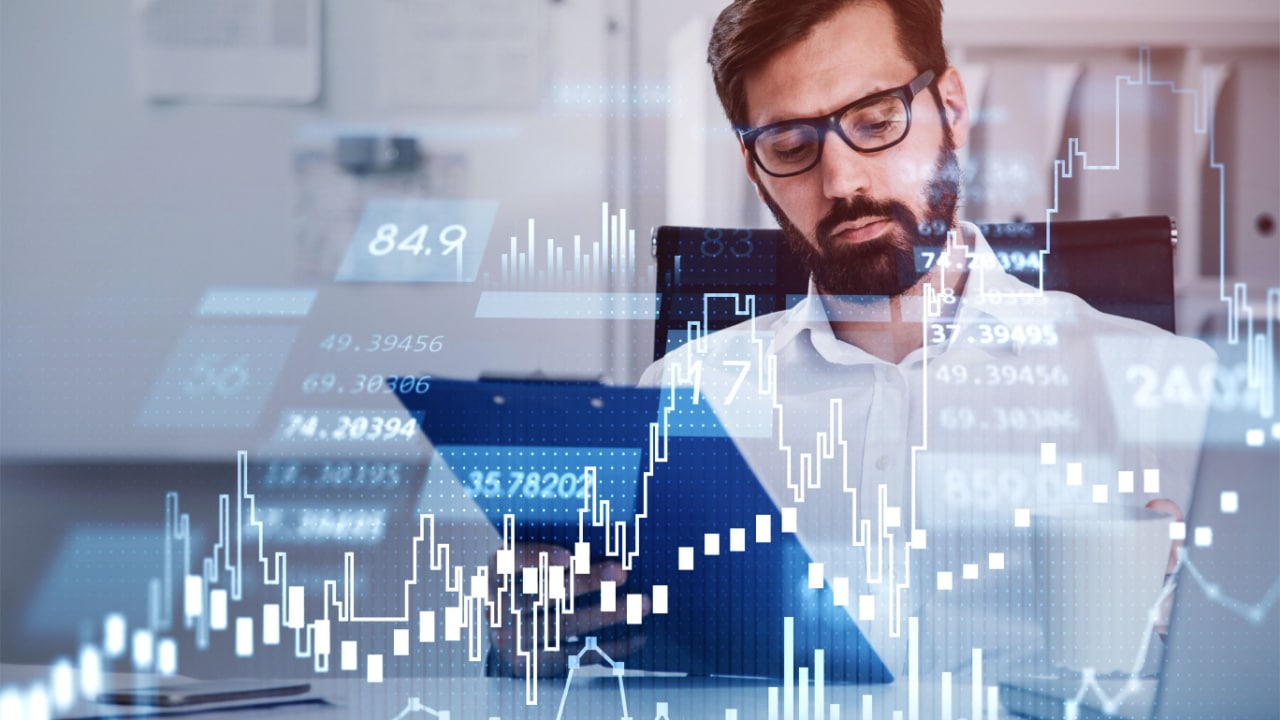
(709, 537)
(1223, 648)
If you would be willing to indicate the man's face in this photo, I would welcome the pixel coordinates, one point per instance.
(856, 218)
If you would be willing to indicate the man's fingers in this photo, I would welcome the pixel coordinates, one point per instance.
(1165, 505)
(1169, 507)
(552, 662)
(526, 555)
(529, 555)
(583, 623)
(600, 573)
(586, 620)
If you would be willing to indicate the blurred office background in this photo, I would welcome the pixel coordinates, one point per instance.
(153, 153)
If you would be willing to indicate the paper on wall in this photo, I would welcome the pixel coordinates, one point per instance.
(253, 51)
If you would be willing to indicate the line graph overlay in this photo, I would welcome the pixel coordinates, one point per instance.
(1259, 334)
(1260, 341)
(609, 261)
(86, 675)
(575, 662)
(415, 706)
(1253, 613)
(225, 563)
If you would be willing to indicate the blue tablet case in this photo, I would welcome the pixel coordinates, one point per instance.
(725, 616)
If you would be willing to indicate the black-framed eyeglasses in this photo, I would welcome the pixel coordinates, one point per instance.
(875, 122)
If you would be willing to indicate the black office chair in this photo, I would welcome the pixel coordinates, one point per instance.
(1122, 267)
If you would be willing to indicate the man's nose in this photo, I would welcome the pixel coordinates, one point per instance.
(845, 171)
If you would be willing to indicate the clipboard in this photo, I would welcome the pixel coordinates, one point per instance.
(671, 477)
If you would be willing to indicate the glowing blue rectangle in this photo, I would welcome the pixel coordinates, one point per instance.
(515, 305)
(544, 483)
(241, 302)
(306, 523)
(749, 415)
(386, 432)
(218, 376)
(419, 240)
(684, 418)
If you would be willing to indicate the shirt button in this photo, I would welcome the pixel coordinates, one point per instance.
(883, 462)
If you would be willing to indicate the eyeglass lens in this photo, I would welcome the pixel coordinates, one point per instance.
(791, 148)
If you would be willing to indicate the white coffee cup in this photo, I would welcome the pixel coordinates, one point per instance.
(1100, 571)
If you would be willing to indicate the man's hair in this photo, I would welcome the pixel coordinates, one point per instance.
(750, 32)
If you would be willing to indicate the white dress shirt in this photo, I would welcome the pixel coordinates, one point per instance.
(1012, 389)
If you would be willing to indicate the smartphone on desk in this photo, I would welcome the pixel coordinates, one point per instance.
(199, 693)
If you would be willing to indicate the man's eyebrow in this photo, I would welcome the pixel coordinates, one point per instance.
(878, 87)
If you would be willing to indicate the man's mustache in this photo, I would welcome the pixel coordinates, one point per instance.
(858, 208)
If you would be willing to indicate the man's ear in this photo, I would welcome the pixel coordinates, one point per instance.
(955, 105)
(751, 170)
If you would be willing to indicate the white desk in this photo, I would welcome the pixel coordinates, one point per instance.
(593, 695)
(598, 697)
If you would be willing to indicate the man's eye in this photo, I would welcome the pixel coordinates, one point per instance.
(879, 125)
(790, 152)
(790, 144)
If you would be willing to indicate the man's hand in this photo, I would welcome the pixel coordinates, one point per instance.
(1171, 508)
(585, 620)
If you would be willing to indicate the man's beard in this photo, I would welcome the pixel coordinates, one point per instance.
(887, 265)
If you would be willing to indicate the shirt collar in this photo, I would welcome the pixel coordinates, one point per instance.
(808, 315)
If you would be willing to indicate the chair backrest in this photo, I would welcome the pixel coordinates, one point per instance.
(1122, 267)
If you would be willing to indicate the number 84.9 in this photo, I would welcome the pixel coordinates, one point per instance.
(384, 240)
